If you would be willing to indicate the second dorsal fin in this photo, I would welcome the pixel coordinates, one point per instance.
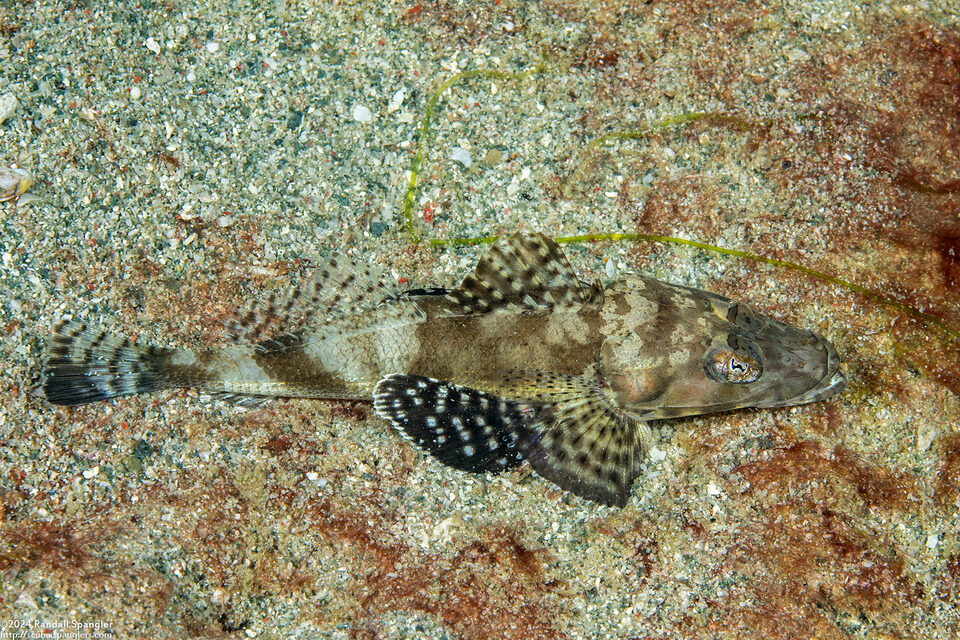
(339, 295)
(527, 271)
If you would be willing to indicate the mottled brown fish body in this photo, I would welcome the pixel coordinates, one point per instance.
(521, 362)
(475, 350)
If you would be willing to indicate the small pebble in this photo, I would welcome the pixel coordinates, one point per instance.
(26, 600)
(8, 106)
(213, 46)
(462, 156)
(610, 269)
(91, 472)
(377, 228)
(14, 182)
(152, 45)
(362, 113)
(395, 101)
(135, 93)
(926, 434)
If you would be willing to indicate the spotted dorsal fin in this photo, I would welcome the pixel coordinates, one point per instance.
(526, 272)
(341, 295)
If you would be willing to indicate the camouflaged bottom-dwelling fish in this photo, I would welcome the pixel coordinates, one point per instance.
(521, 362)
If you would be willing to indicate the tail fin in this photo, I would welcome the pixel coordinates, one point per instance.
(84, 365)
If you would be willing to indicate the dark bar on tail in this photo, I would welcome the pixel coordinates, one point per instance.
(85, 365)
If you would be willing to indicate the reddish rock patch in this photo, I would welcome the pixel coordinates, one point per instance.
(494, 587)
(809, 468)
(946, 486)
(810, 568)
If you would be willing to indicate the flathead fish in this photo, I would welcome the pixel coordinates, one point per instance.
(521, 362)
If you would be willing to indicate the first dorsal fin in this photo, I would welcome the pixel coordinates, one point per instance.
(527, 271)
(342, 294)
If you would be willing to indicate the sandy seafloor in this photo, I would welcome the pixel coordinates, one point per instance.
(189, 157)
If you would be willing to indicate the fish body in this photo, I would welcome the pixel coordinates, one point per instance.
(521, 362)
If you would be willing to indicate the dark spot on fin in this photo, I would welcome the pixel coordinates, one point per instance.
(427, 291)
(527, 271)
(84, 365)
(462, 428)
(579, 438)
(569, 431)
(342, 294)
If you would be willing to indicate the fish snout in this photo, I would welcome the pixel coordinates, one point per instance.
(834, 381)
(804, 365)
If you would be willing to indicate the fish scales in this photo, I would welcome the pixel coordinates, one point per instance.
(472, 350)
(522, 362)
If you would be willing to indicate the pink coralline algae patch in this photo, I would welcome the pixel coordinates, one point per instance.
(893, 108)
(494, 586)
(809, 466)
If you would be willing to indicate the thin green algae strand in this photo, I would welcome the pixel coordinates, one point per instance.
(424, 137)
(722, 119)
(820, 275)
(682, 119)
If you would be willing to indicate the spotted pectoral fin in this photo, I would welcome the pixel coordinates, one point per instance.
(524, 272)
(569, 431)
(578, 437)
(461, 427)
(587, 448)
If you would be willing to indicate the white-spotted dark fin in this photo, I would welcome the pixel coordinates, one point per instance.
(86, 365)
(526, 271)
(579, 438)
(340, 295)
(568, 431)
(462, 428)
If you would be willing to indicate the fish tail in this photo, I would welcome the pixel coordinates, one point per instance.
(87, 365)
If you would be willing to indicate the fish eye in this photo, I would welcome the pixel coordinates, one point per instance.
(739, 365)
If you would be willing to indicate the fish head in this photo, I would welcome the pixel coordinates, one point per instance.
(705, 353)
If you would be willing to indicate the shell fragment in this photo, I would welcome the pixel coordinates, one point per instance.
(14, 182)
